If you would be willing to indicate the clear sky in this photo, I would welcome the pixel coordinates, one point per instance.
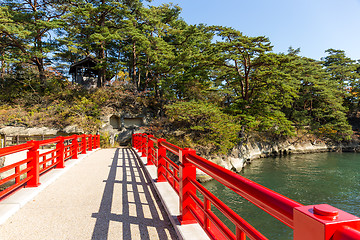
(311, 25)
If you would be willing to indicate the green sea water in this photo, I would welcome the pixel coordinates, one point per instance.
(331, 178)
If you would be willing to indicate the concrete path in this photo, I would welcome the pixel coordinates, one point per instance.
(105, 196)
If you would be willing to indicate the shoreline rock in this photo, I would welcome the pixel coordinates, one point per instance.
(241, 156)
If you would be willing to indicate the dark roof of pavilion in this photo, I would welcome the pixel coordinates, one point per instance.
(86, 62)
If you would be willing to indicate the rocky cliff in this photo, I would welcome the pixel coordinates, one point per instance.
(252, 149)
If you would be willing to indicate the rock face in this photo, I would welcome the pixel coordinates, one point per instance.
(36, 131)
(242, 155)
(120, 126)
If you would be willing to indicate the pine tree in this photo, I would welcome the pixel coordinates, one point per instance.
(344, 71)
(26, 30)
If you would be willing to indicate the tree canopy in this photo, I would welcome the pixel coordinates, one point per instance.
(213, 81)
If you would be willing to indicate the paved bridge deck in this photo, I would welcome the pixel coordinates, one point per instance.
(105, 196)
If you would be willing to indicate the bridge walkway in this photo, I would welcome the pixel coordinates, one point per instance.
(105, 196)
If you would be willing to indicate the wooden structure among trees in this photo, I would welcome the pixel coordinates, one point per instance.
(83, 72)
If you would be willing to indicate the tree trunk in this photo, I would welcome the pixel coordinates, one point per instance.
(40, 66)
(147, 80)
(2, 73)
(101, 53)
(134, 67)
(102, 71)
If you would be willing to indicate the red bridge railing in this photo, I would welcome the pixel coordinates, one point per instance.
(315, 222)
(27, 172)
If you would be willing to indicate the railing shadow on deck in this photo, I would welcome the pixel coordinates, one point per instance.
(141, 217)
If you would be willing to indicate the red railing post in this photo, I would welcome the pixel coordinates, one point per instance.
(75, 147)
(83, 143)
(138, 142)
(94, 141)
(143, 145)
(90, 142)
(321, 222)
(60, 151)
(141, 142)
(133, 141)
(150, 146)
(33, 154)
(160, 154)
(187, 174)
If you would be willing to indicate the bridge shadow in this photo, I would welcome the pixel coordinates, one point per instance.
(130, 207)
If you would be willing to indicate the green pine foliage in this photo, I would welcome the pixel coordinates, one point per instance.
(202, 124)
(207, 85)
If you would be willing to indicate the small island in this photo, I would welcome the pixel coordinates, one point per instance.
(139, 68)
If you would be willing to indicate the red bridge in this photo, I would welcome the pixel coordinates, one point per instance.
(127, 173)
(315, 222)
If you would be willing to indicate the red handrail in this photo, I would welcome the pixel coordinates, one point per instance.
(274, 203)
(229, 213)
(14, 149)
(171, 147)
(28, 171)
(346, 233)
(49, 141)
(309, 222)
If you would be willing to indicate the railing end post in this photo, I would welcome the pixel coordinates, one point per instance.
(321, 222)
(186, 188)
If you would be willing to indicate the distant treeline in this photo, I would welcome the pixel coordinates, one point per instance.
(213, 83)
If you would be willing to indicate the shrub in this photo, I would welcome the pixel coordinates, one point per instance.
(201, 124)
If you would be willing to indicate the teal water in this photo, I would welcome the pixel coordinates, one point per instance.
(332, 178)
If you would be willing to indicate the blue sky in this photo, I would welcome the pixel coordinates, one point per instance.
(311, 25)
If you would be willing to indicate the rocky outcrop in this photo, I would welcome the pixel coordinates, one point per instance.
(242, 155)
(24, 131)
(120, 126)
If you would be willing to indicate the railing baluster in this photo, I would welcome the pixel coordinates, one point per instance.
(83, 140)
(150, 145)
(240, 235)
(89, 142)
(60, 153)
(33, 154)
(207, 208)
(143, 145)
(44, 161)
(161, 153)
(17, 170)
(75, 146)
